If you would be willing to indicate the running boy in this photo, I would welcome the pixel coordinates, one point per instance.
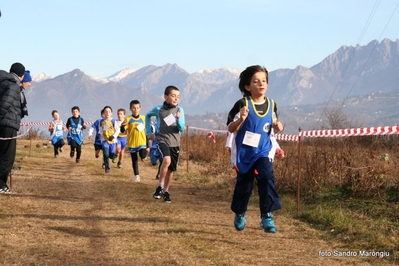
(97, 139)
(170, 124)
(136, 137)
(57, 130)
(252, 138)
(75, 125)
(110, 131)
(122, 137)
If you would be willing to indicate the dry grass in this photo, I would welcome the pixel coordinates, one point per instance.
(73, 214)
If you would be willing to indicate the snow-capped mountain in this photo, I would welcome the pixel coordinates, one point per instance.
(120, 74)
(216, 76)
(115, 77)
(100, 79)
(40, 77)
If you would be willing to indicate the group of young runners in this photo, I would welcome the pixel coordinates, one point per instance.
(251, 123)
(133, 133)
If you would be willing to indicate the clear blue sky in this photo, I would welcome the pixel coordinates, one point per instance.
(101, 37)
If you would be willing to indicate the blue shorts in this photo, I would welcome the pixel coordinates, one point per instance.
(111, 147)
(122, 142)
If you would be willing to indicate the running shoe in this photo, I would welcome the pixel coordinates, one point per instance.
(267, 223)
(166, 197)
(240, 221)
(158, 192)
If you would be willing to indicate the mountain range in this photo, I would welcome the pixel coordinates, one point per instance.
(362, 81)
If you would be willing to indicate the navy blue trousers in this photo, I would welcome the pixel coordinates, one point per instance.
(8, 150)
(268, 196)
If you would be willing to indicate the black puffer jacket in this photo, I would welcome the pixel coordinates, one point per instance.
(10, 101)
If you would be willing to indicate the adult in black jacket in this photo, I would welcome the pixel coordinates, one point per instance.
(10, 118)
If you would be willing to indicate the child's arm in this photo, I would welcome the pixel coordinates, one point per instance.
(83, 124)
(278, 126)
(124, 124)
(51, 127)
(91, 130)
(276, 150)
(117, 130)
(180, 120)
(236, 124)
(68, 124)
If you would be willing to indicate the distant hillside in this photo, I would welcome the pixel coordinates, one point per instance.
(369, 71)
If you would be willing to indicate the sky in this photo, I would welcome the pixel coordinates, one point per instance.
(102, 37)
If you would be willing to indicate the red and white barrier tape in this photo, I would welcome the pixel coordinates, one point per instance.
(286, 137)
(367, 131)
(277, 136)
(29, 124)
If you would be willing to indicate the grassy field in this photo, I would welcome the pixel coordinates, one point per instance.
(65, 213)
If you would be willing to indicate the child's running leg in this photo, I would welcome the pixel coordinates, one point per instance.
(78, 152)
(135, 164)
(55, 150)
(143, 154)
(106, 159)
(73, 148)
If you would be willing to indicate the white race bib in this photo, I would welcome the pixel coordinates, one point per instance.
(251, 139)
(140, 127)
(170, 119)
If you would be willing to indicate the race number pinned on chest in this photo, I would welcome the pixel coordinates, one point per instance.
(140, 127)
(251, 139)
(170, 119)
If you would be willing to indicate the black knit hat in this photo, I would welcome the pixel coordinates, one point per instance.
(18, 69)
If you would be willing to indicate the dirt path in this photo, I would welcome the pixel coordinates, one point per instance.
(73, 214)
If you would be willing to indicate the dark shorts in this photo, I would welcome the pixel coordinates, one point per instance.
(173, 152)
(98, 147)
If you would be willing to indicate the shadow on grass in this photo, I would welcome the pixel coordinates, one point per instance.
(95, 218)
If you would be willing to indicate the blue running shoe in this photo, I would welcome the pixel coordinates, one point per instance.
(267, 223)
(240, 221)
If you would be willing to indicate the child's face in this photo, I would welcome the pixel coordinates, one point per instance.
(75, 113)
(107, 113)
(173, 97)
(258, 85)
(25, 85)
(135, 109)
(56, 116)
(121, 115)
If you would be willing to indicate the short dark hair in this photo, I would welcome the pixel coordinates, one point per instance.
(75, 108)
(107, 106)
(54, 111)
(134, 102)
(169, 89)
(121, 110)
(246, 76)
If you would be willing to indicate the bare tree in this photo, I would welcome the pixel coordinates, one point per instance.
(336, 118)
